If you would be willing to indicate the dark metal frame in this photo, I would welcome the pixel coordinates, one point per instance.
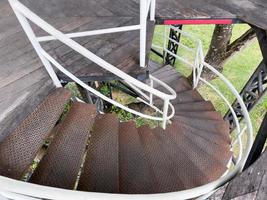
(256, 87)
(172, 46)
(258, 145)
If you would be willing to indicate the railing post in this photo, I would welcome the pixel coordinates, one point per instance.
(165, 113)
(143, 25)
(151, 95)
(36, 45)
(152, 10)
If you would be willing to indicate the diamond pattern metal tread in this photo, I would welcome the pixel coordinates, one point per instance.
(136, 176)
(209, 136)
(182, 97)
(218, 152)
(213, 115)
(162, 165)
(101, 168)
(18, 150)
(178, 85)
(194, 106)
(212, 126)
(60, 166)
(193, 165)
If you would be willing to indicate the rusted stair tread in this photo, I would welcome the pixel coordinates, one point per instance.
(18, 150)
(194, 106)
(178, 85)
(136, 176)
(163, 167)
(124, 55)
(101, 168)
(166, 73)
(182, 97)
(188, 96)
(219, 151)
(154, 66)
(213, 126)
(213, 115)
(209, 136)
(195, 166)
(61, 164)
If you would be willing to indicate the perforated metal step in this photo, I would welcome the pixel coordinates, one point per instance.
(200, 106)
(60, 167)
(18, 150)
(136, 176)
(101, 168)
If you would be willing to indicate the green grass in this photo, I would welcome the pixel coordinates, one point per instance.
(238, 69)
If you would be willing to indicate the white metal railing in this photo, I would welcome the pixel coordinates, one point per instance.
(24, 14)
(14, 189)
(242, 135)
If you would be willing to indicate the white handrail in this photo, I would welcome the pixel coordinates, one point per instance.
(99, 94)
(83, 51)
(23, 12)
(18, 189)
(91, 33)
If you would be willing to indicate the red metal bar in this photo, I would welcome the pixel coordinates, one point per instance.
(198, 21)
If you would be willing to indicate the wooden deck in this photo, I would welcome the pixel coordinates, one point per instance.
(251, 184)
(250, 11)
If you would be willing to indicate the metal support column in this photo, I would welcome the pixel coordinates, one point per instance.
(256, 87)
(258, 145)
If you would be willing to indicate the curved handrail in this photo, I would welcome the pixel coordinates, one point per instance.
(23, 13)
(13, 187)
(97, 93)
(21, 190)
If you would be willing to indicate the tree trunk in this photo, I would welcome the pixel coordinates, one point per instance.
(218, 48)
(221, 49)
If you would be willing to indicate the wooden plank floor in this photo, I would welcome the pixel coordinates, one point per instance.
(251, 11)
(119, 49)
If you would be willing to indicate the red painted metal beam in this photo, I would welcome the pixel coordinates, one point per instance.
(197, 21)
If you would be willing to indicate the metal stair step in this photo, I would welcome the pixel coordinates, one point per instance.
(209, 136)
(154, 66)
(62, 162)
(182, 97)
(193, 165)
(194, 106)
(20, 147)
(163, 167)
(214, 126)
(178, 85)
(136, 176)
(101, 168)
(213, 115)
(219, 152)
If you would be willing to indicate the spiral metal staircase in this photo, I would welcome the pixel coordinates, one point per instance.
(80, 153)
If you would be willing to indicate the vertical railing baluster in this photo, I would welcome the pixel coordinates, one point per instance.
(152, 10)
(151, 95)
(143, 24)
(165, 113)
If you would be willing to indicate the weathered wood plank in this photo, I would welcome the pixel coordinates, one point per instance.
(251, 11)
(251, 184)
(23, 80)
